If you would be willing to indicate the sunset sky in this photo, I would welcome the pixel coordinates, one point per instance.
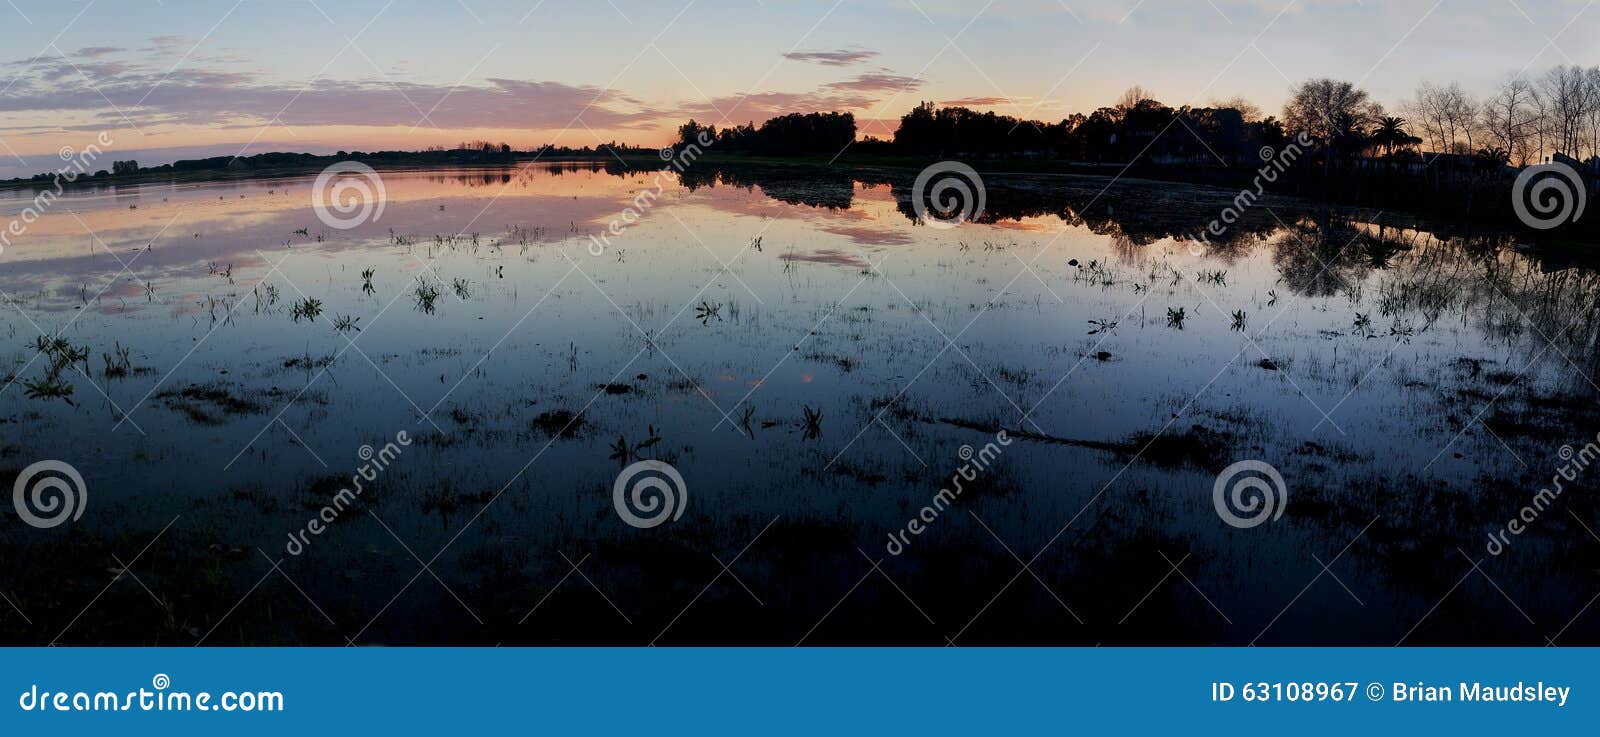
(187, 78)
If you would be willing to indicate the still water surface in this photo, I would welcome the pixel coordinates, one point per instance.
(1412, 382)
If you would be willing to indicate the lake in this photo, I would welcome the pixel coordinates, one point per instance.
(816, 363)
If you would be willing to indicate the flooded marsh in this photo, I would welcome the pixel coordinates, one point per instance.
(818, 364)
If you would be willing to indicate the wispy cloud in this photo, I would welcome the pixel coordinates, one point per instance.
(978, 101)
(91, 52)
(877, 82)
(840, 58)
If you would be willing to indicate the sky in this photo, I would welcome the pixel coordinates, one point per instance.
(170, 79)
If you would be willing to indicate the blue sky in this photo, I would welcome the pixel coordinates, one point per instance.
(219, 76)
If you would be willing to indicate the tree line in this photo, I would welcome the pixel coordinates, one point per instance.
(1526, 119)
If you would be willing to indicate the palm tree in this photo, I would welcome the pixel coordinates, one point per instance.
(1494, 156)
(1348, 136)
(1391, 132)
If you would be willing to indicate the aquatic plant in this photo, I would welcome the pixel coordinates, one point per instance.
(60, 353)
(1102, 326)
(1095, 273)
(118, 362)
(813, 422)
(366, 280)
(1363, 325)
(308, 308)
(462, 288)
(1175, 317)
(426, 295)
(266, 294)
(49, 387)
(706, 311)
(745, 417)
(345, 323)
(624, 453)
(1403, 330)
(1238, 321)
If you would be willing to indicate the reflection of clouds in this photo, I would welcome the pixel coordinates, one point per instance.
(858, 221)
(869, 236)
(1026, 226)
(59, 260)
(830, 256)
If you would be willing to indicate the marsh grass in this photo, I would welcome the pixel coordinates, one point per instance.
(426, 295)
(308, 309)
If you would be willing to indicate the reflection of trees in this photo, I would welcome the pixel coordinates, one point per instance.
(501, 177)
(818, 187)
(1480, 280)
(1545, 300)
(1318, 256)
(1414, 274)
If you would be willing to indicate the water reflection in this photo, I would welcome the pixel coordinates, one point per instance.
(1412, 380)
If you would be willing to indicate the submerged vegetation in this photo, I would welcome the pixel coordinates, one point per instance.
(1389, 359)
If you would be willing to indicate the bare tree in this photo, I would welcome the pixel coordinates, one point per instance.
(1592, 81)
(1567, 97)
(1132, 97)
(1249, 111)
(1509, 118)
(1447, 115)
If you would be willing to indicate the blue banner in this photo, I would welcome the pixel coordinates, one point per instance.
(796, 691)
